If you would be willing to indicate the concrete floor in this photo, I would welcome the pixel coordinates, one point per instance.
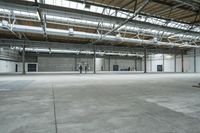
(102, 103)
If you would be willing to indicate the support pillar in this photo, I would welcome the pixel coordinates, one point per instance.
(23, 60)
(145, 60)
(195, 64)
(75, 63)
(151, 63)
(182, 62)
(109, 63)
(175, 63)
(94, 59)
(163, 69)
(136, 64)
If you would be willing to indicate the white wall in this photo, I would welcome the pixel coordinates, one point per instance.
(56, 64)
(154, 60)
(70, 63)
(9, 66)
(86, 61)
(198, 63)
(62, 63)
(169, 60)
(123, 64)
(99, 64)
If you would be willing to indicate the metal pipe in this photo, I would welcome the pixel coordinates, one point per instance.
(77, 34)
(79, 14)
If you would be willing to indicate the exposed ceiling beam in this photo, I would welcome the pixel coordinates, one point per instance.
(47, 44)
(171, 5)
(92, 36)
(42, 17)
(64, 11)
(131, 11)
(126, 4)
(129, 19)
(168, 9)
(190, 3)
(187, 16)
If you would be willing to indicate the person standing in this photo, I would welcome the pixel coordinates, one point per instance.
(129, 68)
(86, 68)
(80, 69)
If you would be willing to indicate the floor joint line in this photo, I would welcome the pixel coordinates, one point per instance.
(54, 109)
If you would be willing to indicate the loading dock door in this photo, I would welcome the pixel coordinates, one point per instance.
(115, 68)
(16, 68)
(31, 67)
(159, 68)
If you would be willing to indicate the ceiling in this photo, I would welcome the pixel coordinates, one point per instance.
(174, 21)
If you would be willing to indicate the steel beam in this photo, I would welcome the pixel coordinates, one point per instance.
(69, 12)
(76, 63)
(168, 9)
(135, 64)
(42, 17)
(126, 10)
(94, 59)
(174, 62)
(170, 4)
(145, 60)
(109, 63)
(59, 45)
(150, 58)
(189, 3)
(23, 61)
(182, 62)
(163, 63)
(123, 23)
(195, 64)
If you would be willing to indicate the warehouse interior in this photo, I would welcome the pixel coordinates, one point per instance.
(113, 66)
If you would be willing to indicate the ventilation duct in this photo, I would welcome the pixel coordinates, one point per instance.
(85, 35)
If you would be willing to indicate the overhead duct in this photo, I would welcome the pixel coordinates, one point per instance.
(59, 14)
(4, 24)
(51, 51)
(65, 15)
(85, 35)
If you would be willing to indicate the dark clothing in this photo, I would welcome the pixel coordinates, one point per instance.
(80, 68)
(86, 68)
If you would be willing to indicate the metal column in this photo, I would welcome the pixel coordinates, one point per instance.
(94, 59)
(195, 65)
(76, 68)
(175, 63)
(182, 61)
(145, 60)
(136, 64)
(23, 60)
(163, 63)
(109, 63)
(151, 63)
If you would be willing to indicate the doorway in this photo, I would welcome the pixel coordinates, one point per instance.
(16, 67)
(115, 67)
(159, 68)
(32, 67)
